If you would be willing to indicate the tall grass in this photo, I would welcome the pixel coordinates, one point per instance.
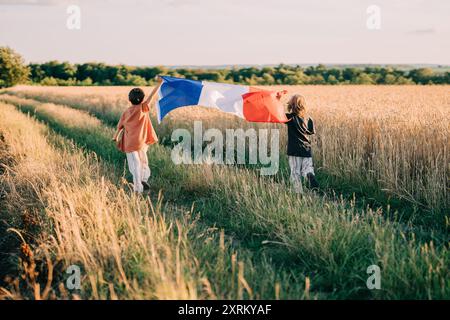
(387, 143)
(330, 241)
(93, 222)
(126, 246)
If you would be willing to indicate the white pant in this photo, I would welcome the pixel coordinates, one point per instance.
(138, 166)
(300, 167)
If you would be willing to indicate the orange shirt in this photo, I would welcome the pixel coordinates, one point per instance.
(137, 128)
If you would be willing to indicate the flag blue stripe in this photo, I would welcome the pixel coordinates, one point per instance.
(175, 93)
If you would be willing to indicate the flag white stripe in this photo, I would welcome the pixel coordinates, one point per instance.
(222, 96)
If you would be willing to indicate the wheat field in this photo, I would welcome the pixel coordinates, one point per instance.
(220, 232)
(395, 137)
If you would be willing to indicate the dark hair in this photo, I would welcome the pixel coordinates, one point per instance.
(136, 96)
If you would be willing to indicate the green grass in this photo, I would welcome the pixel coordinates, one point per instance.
(216, 257)
(331, 241)
(361, 189)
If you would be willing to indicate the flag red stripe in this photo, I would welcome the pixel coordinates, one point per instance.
(263, 106)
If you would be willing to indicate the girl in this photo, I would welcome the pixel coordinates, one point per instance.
(134, 133)
(299, 144)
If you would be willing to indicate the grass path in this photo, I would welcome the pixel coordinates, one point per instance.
(80, 197)
(359, 189)
(66, 209)
(332, 242)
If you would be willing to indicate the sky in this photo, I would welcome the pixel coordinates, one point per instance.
(229, 32)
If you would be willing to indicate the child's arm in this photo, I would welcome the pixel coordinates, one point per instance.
(310, 127)
(289, 117)
(153, 93)
(119, 128)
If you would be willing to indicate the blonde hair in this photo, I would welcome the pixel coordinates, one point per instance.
(297, 105)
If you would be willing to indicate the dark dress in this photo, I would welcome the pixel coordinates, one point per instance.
(299, 136)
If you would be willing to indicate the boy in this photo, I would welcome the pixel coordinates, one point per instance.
(299, 144)
(134, 133)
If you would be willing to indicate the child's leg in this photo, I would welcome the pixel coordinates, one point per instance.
(134, 165)
(145, 169)
(308, 172)
(295, 165)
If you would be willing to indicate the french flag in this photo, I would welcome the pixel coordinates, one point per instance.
(249, 103)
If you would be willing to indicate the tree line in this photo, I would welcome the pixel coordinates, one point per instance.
(64, 73)
(85, 74)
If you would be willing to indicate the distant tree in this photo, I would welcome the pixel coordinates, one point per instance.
(208, 76)
(317, 79)
(100, 73)
(376, 77)
(350, 74)
(36, 72)
(364, 78)
(12, 68)
(58, 70)
(49, 81)
(248, 72)
(389, 79)
(336, 73)
(57, 73)
(403, 80)
(291, 79)
(446, 78)
(254, 80)
(130, 80)
(86, 82)
(332, 79)
(149, 73)
(422, 75)
(268, 79)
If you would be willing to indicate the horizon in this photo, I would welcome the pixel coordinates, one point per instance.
(227, 66)
(212, 33)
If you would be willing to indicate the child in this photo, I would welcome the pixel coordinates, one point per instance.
(134, 133)
(299, 144)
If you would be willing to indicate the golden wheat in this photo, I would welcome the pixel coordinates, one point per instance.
(95, 223)
(320, 232)
(393, 137)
